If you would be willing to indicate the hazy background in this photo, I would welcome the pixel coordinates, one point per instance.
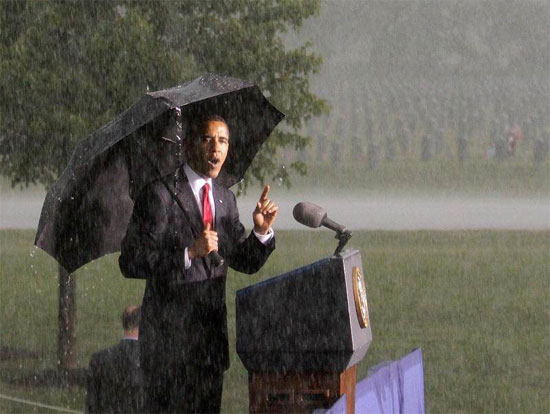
(425, 97)
(439, 120)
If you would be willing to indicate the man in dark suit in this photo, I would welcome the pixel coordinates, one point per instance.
(184, 347)
(115, 380)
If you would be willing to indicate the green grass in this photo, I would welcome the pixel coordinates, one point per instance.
(477, 303)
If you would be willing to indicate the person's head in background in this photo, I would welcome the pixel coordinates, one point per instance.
(130, 321)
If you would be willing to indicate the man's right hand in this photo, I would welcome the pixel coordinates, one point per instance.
(204, 244)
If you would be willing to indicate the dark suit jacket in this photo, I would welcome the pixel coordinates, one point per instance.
(115, 381)
(183, 315)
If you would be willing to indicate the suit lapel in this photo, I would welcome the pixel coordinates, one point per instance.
(187, 198)
(220, 206)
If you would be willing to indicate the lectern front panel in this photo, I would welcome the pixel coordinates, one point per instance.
(314, 318)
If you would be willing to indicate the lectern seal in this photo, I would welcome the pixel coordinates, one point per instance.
(360, 296)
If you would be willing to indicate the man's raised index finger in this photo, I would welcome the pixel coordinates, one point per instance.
(263, 197)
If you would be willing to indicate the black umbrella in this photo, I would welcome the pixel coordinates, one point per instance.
(86, 212)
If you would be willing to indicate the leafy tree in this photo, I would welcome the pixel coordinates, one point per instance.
(68, 67)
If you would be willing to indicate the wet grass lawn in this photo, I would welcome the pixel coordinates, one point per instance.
(477, 303)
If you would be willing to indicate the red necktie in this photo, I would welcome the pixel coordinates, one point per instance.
(206, 208)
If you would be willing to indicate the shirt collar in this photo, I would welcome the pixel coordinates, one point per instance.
(195, 180)
(129, 338)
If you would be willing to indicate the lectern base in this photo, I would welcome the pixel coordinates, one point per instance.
(293, 392)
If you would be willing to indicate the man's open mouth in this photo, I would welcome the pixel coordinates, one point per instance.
(213, 162)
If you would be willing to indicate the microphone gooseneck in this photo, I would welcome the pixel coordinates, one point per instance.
(333, 225)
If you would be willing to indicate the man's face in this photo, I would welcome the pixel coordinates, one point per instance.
(208, 151)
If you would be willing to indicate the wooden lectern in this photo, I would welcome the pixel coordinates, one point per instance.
(300, 335)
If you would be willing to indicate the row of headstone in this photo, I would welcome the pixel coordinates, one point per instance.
(432, 145)
(400, 118)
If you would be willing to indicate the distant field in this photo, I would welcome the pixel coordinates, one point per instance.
(513, 177)
(477, 303)
(476, 177)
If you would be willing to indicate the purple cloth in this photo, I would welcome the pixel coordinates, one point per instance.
(391, 387)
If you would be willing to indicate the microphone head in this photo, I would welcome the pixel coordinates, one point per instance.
(309, 214)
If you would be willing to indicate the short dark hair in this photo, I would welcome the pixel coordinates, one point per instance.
(196, 123)
(131, 317)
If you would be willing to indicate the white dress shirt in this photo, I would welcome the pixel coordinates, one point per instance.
(197, 182)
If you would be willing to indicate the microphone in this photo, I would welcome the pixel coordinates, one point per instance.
(312, 215)
(215, 258)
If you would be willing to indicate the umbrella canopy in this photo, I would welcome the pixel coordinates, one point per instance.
(87, 210)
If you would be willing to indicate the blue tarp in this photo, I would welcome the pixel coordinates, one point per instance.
(391, 387)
